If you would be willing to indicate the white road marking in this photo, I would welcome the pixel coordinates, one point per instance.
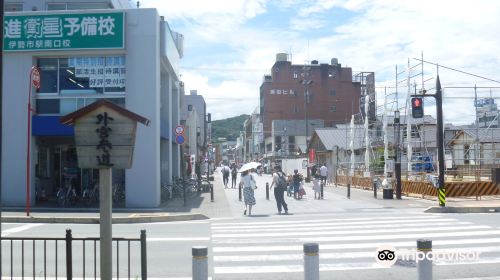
(400, 218)
(343, 232)
(291, 268)
(476, 278)
(435, 244)
(301, 224)
(171, 239)
(10, 231)
(360, 238)
(339, 255)
(330, 227)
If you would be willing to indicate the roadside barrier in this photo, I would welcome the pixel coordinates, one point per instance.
(50, 250)
(453, 189)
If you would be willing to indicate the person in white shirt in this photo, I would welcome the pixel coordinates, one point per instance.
(323, 171)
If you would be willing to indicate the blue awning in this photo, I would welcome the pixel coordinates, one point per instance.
(50, 126)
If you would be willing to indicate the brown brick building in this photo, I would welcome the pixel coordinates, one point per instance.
(333, 95)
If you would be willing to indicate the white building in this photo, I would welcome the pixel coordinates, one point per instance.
(86, 51)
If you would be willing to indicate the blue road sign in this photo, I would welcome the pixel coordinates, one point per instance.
(179, 139)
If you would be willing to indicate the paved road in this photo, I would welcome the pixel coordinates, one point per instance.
(269, 246)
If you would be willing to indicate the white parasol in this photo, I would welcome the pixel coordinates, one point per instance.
(248, 166)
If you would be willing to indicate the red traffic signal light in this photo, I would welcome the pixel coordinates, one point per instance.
(417, 107)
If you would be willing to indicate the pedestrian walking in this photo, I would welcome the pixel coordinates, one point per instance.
(234, 174)
(323, 171)
(316, 186)
(225, 175)
(279, 181)
(296, 180)
(248, 184)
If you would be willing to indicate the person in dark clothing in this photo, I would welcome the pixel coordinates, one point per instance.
(279, 181)
(234, 174)
(225, 175)
(296, 180)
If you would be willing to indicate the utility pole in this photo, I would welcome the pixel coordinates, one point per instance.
(440, 142)
(440, 139)
(397, 165)
(1, 125)
(306, 82)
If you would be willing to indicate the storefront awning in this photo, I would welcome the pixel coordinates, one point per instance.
(50, 126)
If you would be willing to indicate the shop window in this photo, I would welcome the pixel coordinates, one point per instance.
(13, 7)
(56, 6)
(87, 6)
(76, 76)
(76, 6)
(48, 74)
(47, 106)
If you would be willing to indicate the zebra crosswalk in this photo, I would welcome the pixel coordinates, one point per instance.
(346, 241)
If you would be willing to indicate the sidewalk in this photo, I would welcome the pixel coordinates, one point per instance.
(198, 206)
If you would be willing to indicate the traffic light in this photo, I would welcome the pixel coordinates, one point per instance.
(417, 107)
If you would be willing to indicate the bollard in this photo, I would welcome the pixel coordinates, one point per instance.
(322, 193)
(239, 192)
(349, 191)
(144, 257)
(200, 263)
(267, 191)
(69, 254)
(311, 261)
(375, 189)
(424, 264)
(211, 192)
(184, 195)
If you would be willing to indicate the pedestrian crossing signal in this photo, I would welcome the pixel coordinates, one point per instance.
(417, 107)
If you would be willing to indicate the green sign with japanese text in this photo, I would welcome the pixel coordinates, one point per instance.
(64, 31)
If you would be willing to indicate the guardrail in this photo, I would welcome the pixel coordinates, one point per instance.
(18, 257)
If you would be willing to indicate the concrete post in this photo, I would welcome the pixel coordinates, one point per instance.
(200, 263)
(349, 191)
(105, 223)
(322, 190)
(311, 261)
(424, 265)
(267, 191)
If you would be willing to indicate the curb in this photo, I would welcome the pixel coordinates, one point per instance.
(436, 209)
(133, 219)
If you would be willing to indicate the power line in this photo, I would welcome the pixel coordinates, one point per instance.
(456, 70)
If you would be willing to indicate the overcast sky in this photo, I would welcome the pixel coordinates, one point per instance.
(231, 44)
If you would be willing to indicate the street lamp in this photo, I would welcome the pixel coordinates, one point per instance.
(397, 165)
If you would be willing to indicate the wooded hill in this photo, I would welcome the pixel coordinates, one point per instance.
(228, 128)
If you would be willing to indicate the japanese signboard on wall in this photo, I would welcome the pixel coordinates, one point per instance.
(283, 91)
(64, 31)
(106, 71)
(104, 135)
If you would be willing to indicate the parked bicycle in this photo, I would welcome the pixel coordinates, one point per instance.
(66, 196)
(91, 195)
(118, 193)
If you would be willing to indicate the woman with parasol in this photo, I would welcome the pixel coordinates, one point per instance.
(247, 182)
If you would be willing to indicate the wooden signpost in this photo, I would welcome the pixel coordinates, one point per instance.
(104, 138)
